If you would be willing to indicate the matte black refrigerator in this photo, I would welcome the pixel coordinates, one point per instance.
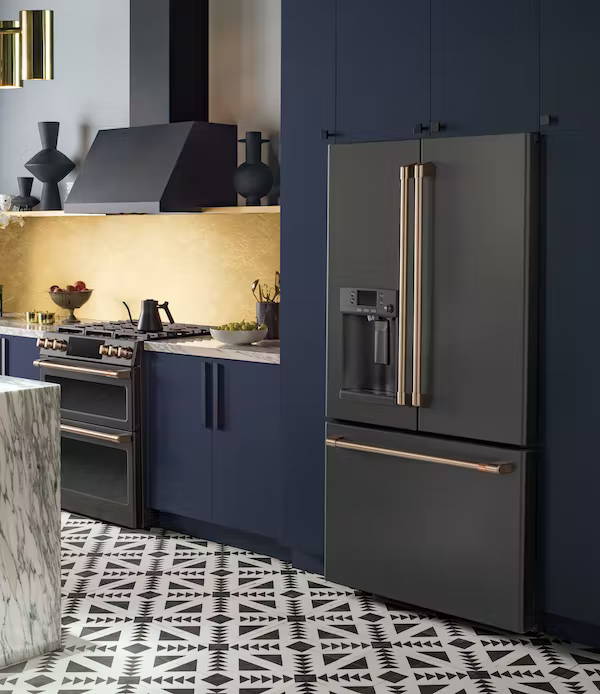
(432, 351)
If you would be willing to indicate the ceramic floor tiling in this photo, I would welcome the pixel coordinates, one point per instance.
(164, 613)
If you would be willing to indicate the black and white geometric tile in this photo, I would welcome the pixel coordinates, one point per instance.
(162, 613)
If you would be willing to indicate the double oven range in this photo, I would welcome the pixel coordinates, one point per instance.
(99, 369)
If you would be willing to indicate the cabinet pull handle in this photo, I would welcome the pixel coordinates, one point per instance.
(406, 173)
(217, 396)
(500, 468)
(328, 134)
(437, 127)
(421, 171)
(3, 350)
(420, 128)
(208, 422)
(91, 434)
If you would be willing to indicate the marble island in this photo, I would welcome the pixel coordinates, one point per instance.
(29, 519)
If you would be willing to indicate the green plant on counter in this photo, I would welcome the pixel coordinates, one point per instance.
(267, 294)
(242, 325)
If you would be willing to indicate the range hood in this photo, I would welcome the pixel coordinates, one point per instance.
(170, 159)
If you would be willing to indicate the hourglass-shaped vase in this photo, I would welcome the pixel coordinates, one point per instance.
(253, 179)
(49, 166)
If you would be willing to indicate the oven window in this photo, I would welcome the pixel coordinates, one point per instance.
(87, 397)
(93, 469)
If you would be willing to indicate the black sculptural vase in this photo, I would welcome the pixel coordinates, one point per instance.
(253, 179)
(24, 201)
(49, 165)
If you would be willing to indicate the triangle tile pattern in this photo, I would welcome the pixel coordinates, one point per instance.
(161, 613)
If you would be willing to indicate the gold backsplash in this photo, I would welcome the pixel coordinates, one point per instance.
(202, 264)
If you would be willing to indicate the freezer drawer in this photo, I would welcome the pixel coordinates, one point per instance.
(416, 521)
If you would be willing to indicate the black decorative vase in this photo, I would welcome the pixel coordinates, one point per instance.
(24, 201)
(49, 165)
(267, 312)
(253, 179)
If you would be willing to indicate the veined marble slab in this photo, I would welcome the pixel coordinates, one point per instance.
(17, 325)
(266, 352)
(29, 519)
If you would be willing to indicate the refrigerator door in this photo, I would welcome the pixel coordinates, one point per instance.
(366, 197)
(478, 333)
(439, 524)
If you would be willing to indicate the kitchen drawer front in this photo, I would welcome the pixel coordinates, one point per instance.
(451, 539)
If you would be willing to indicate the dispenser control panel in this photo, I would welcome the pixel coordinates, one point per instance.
(374, 302)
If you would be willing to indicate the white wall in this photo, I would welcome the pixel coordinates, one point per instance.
(90, 89)
(91, 85)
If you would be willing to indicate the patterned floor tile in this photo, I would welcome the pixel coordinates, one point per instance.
(165, 613)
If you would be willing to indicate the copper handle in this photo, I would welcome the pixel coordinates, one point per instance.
(90, 433)
(405, 175)
(500, 468)
(80, 369)
(421, 170)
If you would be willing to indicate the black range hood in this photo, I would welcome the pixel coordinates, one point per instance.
(171, 159)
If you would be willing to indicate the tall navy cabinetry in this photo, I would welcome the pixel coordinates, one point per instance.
(382, 69)
(308, 88)
(484, 66)
(213, 447)
(17, 355)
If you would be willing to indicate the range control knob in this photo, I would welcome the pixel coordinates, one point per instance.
(103, 350)
(112, 351)
(59, 345)
(124, 353)
(39, 342)
(389, 308)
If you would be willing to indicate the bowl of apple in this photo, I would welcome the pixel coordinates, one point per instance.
(71, 297)
(242, 333)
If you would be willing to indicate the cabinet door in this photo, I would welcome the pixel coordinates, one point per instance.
(570, 63)
(484, 66)
(179, 437)
(382, 68)
(247, 474)
(308, 87)
(17, 355)
(479, 316)
(424, 531)
(571, 479)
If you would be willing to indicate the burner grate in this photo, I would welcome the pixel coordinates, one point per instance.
(124, 330)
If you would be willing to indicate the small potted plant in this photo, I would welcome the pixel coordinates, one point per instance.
(267, 305)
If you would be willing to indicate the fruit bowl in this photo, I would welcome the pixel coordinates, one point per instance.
(238, 337)
(71, 301)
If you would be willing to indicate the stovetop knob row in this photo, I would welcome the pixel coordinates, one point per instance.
(113, 351)
(46, 343)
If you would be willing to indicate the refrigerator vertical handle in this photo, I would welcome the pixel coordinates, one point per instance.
(421, 171)
(406, 173)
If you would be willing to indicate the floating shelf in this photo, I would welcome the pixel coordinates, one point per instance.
(265, 209)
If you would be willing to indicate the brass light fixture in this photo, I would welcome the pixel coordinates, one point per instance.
(27, 48)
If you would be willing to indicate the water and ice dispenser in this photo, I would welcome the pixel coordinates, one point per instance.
(369, 343)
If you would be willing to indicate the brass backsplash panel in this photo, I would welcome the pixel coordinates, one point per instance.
(202, 264)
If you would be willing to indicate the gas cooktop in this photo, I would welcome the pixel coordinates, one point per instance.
(125, 330)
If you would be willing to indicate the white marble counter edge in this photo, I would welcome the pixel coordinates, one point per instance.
(263, 353)
(15, 331)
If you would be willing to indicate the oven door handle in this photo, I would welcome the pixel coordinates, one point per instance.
(91, 434)
(46, 364)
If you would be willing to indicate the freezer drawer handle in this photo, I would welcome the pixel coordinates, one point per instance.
(101, 435)
(491, 468)
(80, 369)
(421, 171)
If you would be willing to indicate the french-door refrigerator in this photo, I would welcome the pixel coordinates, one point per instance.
(431, 413)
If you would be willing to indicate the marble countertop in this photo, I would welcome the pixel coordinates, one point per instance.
(15, 324)
(265, 352)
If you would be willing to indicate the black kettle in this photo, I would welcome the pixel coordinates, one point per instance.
(149, 320)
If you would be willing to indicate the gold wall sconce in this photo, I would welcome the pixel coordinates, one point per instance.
(27, 48)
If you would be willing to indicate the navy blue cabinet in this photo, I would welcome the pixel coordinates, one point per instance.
(247, 474)
(570, 64)
(308, 88)
(212, 444)
(179, 441)
(17, 355)
(382, 65)
(484, 66)
(571, 474)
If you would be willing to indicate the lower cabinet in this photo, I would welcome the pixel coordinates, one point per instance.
(17, 355)
(213, 442)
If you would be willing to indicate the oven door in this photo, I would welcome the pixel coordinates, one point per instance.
(95, 394)
(100, 473)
